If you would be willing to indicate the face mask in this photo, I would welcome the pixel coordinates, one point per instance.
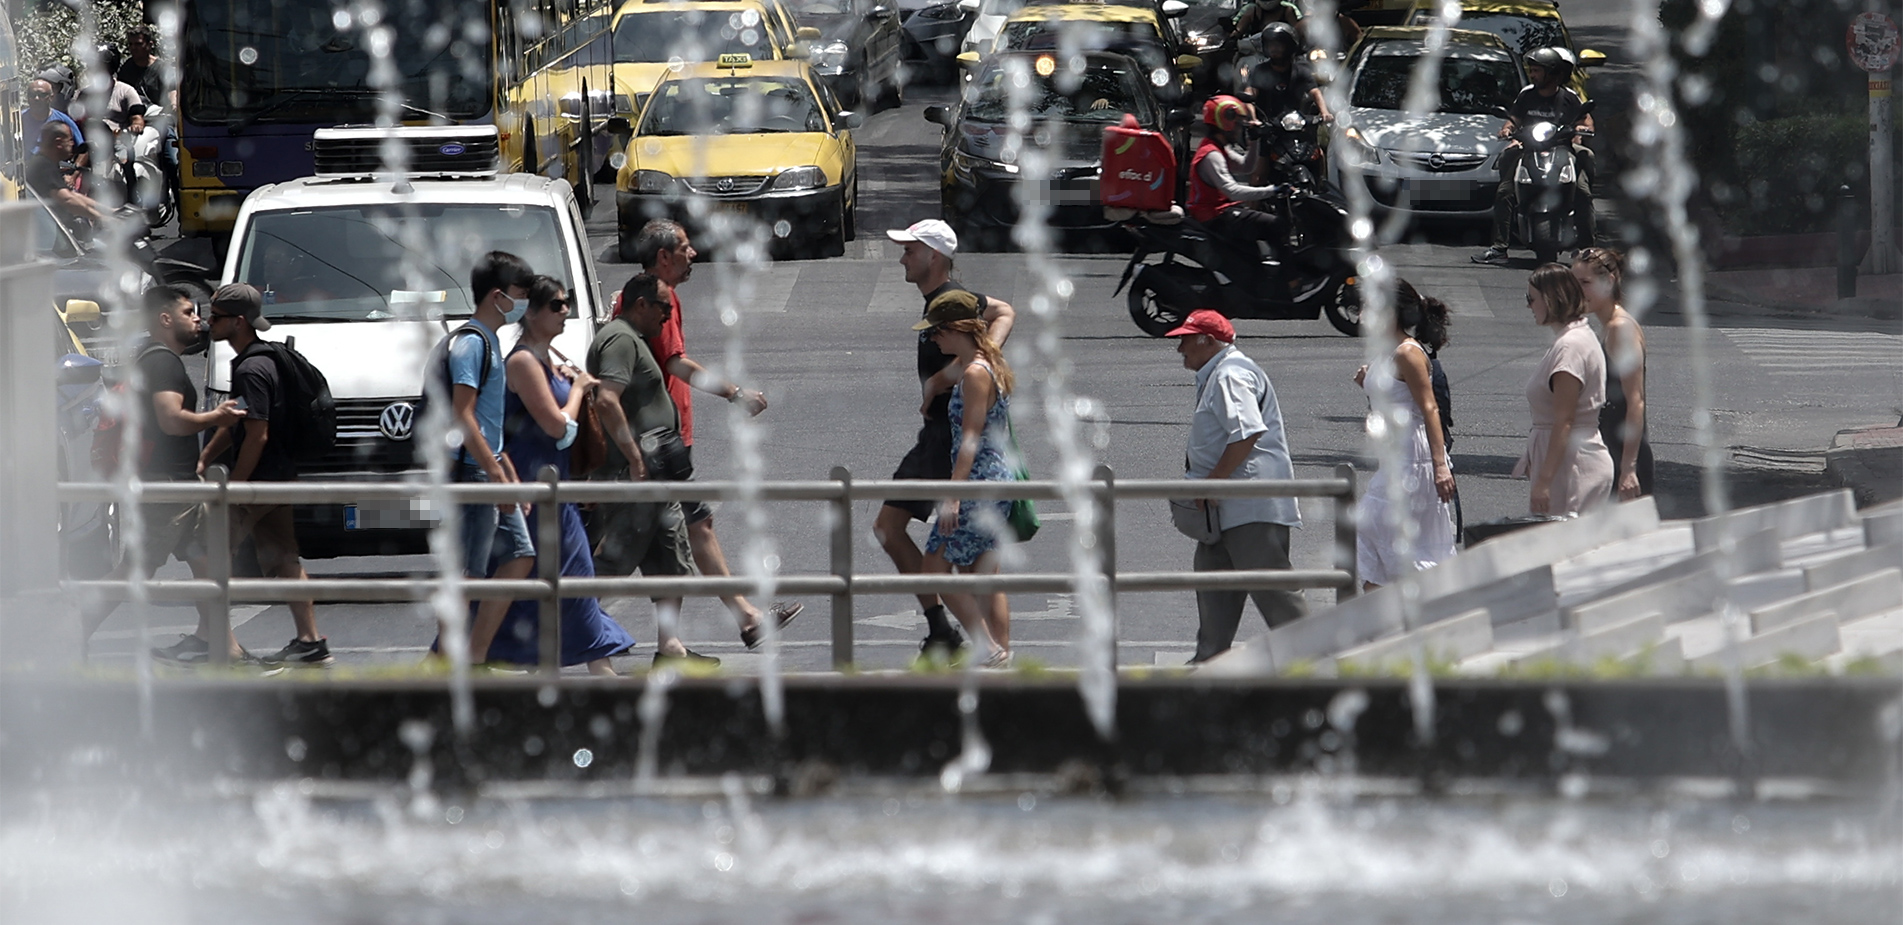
(517, 308)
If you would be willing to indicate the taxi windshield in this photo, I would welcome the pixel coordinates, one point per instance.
(738, 105)
(1469, 85)
(1521, 33)
(692, 35)
(1089, 35)
(1103, 95)
(362, 263)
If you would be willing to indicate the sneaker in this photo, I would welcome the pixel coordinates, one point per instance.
(299, 652)
(188, 652)
(691, 660)
(945, 646)
(1492, 256)
(781, 613)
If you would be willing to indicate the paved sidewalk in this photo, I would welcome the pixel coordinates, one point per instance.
(1808, 289)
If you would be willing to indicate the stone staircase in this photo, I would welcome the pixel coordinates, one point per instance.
(1810, 583)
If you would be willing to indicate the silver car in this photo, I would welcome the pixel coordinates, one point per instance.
(1442, 163)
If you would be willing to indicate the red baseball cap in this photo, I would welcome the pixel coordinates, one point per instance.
(1206, 321)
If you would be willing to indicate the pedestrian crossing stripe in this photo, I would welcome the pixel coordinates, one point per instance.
(1785, 352)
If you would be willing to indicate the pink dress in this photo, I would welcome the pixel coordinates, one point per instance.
(1585, 478)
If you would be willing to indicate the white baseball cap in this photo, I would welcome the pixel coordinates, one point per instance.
(932, 233)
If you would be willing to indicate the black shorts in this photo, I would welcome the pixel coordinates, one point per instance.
(676, 464)
(930, 458)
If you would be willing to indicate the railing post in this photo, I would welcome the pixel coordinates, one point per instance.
(1345, 534)
(548, 565)
(1104, 496)
(842, 568)
(218, 544)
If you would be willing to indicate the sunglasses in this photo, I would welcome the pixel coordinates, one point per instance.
(559, 305)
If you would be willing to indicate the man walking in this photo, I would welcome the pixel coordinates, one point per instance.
(928, 249)
(168, 452)
(643, 429)
(1236, 433)
(259, 390)
(477, 380)
(664, 250)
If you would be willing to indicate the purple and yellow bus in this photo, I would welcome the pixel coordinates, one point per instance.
(259, 77)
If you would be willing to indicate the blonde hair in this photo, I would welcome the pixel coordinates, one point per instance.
(1607, 261)
(1565, 301)
(988, 350)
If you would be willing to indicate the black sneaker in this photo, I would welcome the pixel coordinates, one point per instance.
(691, 660)
(941, 646)
(1492, 256)
(298, 652)
(188, 652)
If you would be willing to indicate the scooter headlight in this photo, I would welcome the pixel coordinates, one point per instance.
(1542, 132)
(1292, 121)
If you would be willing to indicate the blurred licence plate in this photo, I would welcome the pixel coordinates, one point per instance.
(1437, 189)
(731, 208)
(388, 515)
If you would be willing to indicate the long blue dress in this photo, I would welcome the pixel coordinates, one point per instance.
(979, 522)
(588, 633)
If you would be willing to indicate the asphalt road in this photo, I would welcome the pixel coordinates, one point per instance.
(828, 341)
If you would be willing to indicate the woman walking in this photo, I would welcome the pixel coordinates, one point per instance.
(966, 537)
(1568, 463)
(1601, 275)
(543, 404)
(1419, 534)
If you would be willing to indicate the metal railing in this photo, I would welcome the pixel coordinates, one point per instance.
(842, 583)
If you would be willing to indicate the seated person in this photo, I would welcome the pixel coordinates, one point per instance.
(1216, 197)
(47, 177)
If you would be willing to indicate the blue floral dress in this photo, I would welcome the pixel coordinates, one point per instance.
(979, 522)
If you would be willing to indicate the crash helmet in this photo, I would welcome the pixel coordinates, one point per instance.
(1278, 32)
(1558, 62)
(1224, 113)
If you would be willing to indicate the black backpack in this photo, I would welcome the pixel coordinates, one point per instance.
(313, 430)
(436, 376)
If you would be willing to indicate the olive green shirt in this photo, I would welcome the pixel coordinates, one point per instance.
(619, 355)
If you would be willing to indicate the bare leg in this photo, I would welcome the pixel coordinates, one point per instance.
(600, 668)
(889, 530)
(996, 606)
(489, 615)
(667, 620)
(962, 606)
(713, 562)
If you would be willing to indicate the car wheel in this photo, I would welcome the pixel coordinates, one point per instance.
(851, 220)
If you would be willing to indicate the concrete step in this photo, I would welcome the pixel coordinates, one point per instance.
(1852, 565)
(1862, 597)
(1452, 639)
(1811, 639)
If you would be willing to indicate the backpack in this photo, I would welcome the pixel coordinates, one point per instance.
(1443, 397)
(436, 376)
(313, 430)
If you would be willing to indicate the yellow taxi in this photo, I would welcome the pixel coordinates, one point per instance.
(1144, 31)
(757, 141)
(1523, 24)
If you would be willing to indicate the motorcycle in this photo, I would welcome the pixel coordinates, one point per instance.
(1200, 269)
(1543, 181)
(1289, 152)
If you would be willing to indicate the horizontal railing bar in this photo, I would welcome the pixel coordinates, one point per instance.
(587, 492)
(398, 590)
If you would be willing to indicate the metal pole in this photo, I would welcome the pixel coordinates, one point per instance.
(548, 565)
(1105, 498)
(842, 568)
(1846, 243)
(218, 540)
(1345, 533)
(1883, 253)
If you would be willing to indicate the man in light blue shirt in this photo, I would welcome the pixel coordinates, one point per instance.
(39, 111)
(1236, 433)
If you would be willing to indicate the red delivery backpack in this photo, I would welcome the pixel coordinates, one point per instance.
(1139, 168)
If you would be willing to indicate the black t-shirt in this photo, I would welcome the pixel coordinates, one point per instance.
(171, 458)
(932, 361)
(149, 80)
(257, 386)
(1277, 92)
(43, 176)
(1563, 109)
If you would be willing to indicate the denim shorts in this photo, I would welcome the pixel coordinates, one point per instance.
(489, 534)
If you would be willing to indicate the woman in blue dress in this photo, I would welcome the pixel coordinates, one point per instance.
(966, 537)
(543, 403)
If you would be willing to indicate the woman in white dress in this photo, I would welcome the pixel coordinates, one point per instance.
(1405, 521)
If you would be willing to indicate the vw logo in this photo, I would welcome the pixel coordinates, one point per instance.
(724, 184)
(398, 421)
(1437, 161)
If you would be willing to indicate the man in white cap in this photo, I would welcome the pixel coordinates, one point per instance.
(927, 259)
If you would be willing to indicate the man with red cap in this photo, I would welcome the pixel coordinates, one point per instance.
(1236, 433)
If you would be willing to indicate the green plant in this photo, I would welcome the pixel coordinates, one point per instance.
(1790, 169)
(46, 31)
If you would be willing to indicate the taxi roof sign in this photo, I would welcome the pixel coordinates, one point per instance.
(734, 60)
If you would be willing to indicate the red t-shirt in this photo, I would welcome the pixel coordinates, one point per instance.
(666, 346)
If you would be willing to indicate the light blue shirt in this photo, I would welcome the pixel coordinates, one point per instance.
(465, 368)
(1234, 401)
(52, 115)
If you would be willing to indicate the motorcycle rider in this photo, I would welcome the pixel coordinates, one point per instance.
(1284, 82)
(1546, 99)
(1216, 197)
(1260, 13)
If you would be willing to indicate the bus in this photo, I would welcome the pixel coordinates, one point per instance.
(259, 77)
(13, 140)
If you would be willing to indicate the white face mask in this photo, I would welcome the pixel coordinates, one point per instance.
(517, 308)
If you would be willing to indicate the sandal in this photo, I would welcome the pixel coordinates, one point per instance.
(782, 614)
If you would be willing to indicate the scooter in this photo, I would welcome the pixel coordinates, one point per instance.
(1543, 181)
(1290, 151)
(1315, 275)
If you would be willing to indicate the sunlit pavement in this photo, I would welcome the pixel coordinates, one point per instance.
(829, 342)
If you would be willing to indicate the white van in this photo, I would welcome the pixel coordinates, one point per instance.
(363, 274)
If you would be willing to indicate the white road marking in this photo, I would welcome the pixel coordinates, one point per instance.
(892, 294)
(1784, 352)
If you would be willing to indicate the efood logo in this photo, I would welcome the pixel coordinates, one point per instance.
(398, 421)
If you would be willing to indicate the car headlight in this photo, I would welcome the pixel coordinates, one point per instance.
(799, 178)
(652, 181)
(831, 55)
(1205, 41)
(966, 162)
(624, 105)
(1358, 150)
(942, 11)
